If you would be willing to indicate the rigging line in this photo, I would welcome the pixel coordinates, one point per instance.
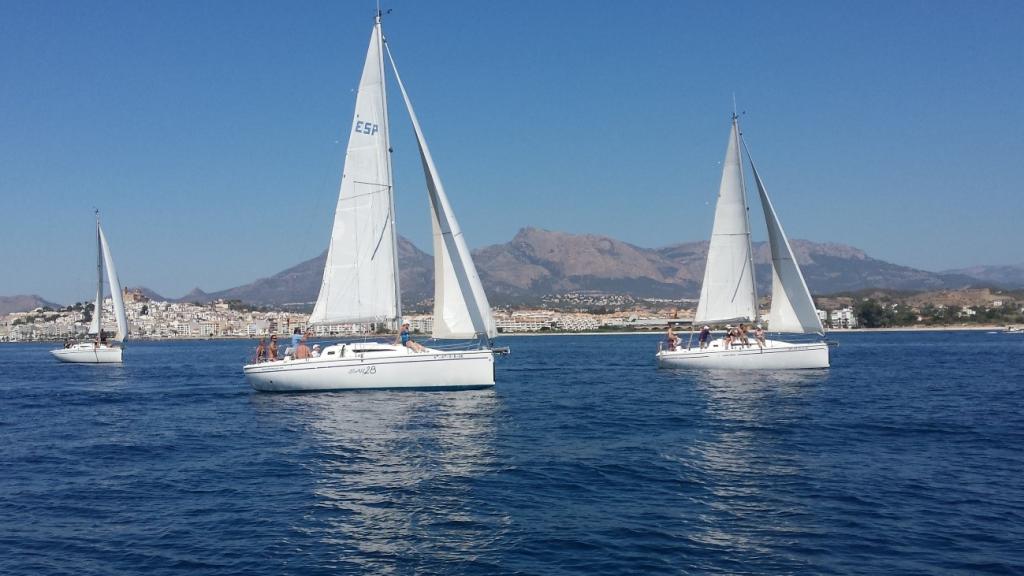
(384, 188)
(383, 232)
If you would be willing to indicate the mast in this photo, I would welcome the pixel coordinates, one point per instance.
(98, 312)
(390, 179)
(746, 212)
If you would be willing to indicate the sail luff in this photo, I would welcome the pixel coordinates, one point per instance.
(792, 307)
(728, 293)
(465, 312)
(96, 326)
(360, 281)
(116, 296)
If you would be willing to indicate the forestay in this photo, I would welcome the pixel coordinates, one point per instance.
(728, 292)
(360, 282)
(792, 306)
(461, 309)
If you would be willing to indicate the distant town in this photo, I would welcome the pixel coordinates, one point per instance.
(577, 312)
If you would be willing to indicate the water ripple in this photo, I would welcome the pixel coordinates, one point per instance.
(903, 458)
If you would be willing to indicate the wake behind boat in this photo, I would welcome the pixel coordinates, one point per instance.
(729, 292)
(360, 282)
(99, 351)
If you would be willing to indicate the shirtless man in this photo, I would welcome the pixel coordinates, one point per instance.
(742, 334)
(673, 340)
(302, 349)
(759, 336)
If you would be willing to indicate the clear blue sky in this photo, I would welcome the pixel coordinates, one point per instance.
(212, 134)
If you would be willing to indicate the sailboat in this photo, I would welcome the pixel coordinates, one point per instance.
(728, 294)
(361, 281)
(100, 350)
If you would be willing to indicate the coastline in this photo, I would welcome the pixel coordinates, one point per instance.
(946, 328)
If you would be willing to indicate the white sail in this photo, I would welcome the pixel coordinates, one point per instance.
(792, 306)
(728, 292)
(116, 295)
(360, 282)
(97, 311)
(461, 309)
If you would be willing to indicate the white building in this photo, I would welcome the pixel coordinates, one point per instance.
(843, 318)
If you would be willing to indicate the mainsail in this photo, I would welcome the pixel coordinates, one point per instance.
(360, 282)
(461, 309)
(728, 293)
(792, 306)
(115, 289)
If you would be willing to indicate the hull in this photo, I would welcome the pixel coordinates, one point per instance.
(89, 354)
(775, 355)
(375, 366)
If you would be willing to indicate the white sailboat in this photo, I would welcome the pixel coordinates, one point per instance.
(360, 282)
(729, 292)
(101, 351)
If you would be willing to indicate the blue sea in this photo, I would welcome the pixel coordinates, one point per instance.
(907, 457)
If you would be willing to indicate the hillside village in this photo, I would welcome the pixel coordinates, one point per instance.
(570, 312)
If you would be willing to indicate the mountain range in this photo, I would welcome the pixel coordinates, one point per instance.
(23, 303)
(537, 262)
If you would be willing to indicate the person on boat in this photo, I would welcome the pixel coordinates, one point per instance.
(729, 331)
(315, 352)
(296, 336)
(261, 351)
(302, 350)
(406, 340)
(673, 340)
(742, 333)
(759, 336)
(272, 349)
(705, 337)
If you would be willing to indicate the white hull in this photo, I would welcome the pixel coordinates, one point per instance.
(775, 355)
(366, 366)
(88, 353)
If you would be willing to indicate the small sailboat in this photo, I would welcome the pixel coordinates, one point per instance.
(729, 292)
(360, 282)
(101, 350)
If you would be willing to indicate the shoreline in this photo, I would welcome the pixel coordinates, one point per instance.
(948, 328)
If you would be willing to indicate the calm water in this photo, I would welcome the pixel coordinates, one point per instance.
(906, 457)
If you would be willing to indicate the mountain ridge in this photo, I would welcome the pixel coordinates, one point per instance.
(537, 262)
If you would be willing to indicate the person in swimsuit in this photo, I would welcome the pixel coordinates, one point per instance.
(673, 340)
(759, 336)
(405, 340)
(302, 350)
(272, 350)
(742, 333)
(261, 351)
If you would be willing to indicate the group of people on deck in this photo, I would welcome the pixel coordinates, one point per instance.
(734, 336)
(300, 350)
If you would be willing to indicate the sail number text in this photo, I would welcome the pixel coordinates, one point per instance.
(365, 128)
